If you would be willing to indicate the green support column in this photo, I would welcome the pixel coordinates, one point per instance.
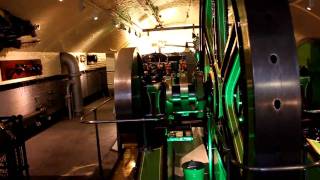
(210, 146)
(170, 163)
(221, 27)
(233, 120)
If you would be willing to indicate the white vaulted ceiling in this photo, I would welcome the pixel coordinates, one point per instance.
(306, 22)
(69, 25)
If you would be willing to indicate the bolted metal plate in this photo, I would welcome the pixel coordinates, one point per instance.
(273, 91)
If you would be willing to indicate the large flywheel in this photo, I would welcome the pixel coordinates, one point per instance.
(127, 84)
(250, 48)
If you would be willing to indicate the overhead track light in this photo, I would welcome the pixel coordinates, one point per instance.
(310, 5)
(122, 26)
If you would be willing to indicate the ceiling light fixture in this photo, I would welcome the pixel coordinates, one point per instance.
(60, 0)
(37, 27)
(310, 5)
(95, 18)
(122, 27)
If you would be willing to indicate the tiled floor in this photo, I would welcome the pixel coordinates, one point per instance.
(68, 148)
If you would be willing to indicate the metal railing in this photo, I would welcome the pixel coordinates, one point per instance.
(95, 116)
(277, 168)
(237, 164)
(13, 156)
(96, 122)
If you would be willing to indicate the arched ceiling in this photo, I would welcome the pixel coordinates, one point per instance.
(69, 25)
(306, 23)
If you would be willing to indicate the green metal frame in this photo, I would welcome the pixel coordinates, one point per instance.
(225, 105)
(233, 120)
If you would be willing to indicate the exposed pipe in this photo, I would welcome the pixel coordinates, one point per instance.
(68, 98)
(74, 75)
(35, 113)
(169, 28)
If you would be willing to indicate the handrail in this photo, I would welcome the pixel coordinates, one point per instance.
(25, 117)
(34, 114)
(272, 168)
(276, 168)
(96, 121)
(314, 111)
(121, 121)
(6, 117)
(82, 118)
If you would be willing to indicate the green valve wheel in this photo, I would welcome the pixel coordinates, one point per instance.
(193, 170)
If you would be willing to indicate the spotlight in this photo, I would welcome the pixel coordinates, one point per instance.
(310, 5)
(95, 18)
(122, 26)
